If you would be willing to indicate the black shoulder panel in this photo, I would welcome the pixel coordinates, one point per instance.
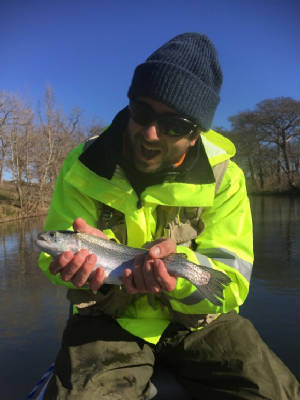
(104, 153)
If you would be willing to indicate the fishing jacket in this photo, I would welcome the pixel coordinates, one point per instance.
(207, 213)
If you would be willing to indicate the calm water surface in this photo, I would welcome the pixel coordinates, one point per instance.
(33, 311)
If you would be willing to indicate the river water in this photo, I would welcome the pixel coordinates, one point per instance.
(33, 311)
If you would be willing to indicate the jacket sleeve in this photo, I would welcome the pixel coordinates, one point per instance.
(67, 204)
(225, 244)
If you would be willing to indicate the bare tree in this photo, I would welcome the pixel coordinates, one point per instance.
(34, 145)
(56, 135)
(19, 143)
(279, 124)
(7, 108)
(272, 128)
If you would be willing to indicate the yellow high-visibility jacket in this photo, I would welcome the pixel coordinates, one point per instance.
(225, 242)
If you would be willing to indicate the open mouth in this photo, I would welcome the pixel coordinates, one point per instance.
(148, 153)
(41, 236)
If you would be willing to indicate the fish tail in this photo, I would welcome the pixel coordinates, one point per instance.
(210, 288)
(213, 290)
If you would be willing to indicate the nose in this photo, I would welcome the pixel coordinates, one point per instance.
(151, 133)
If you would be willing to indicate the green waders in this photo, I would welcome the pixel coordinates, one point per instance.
(225, 360)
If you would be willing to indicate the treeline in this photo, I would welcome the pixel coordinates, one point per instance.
(267, 141)
(33, 145)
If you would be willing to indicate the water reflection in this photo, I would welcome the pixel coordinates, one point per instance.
(18, 254)
(273, 302)
(33, 311)
(276, 246)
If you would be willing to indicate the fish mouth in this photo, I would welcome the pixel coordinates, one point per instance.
(41, 236)
(42, 241)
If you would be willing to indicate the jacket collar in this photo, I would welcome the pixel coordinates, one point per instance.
(105, 154)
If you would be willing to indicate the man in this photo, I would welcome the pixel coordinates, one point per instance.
(159, 177)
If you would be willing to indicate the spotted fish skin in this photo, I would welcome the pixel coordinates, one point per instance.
(115, 258)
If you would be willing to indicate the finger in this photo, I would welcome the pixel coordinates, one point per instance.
(149, 278)
(148, 245)
(80, 225)
(83, 273)
(163, 249)
(60, 262)
(73, 266)
(138, 274)
(97, 279)
(167, 281)
(128, 282)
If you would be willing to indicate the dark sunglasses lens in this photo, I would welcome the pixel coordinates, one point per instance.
(141, 113)
(176, 126)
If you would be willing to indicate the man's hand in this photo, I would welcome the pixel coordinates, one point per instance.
(76, 268)
(149, 273)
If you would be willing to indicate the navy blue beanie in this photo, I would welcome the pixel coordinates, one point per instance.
(184, 74)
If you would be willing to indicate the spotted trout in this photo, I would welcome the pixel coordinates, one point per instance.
(115, 258)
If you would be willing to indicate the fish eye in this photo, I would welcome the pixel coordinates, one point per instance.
(52, 234)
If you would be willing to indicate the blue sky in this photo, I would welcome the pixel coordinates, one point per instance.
(87, 50)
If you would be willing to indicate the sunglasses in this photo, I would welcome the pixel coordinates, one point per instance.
(169, 124)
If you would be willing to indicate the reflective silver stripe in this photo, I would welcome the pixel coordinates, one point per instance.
(228, 258)
(203, 260)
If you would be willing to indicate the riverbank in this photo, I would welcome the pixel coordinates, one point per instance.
(287, 193)
(10, 209)
(17, 217)
(271, 187)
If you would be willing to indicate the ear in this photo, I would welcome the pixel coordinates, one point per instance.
(194, 140)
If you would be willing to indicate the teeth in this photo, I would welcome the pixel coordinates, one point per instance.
(149, 152)
(150, 148)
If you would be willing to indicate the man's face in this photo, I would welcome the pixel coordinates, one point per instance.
(151, 150)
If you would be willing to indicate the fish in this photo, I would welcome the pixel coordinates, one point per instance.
(115, 258)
